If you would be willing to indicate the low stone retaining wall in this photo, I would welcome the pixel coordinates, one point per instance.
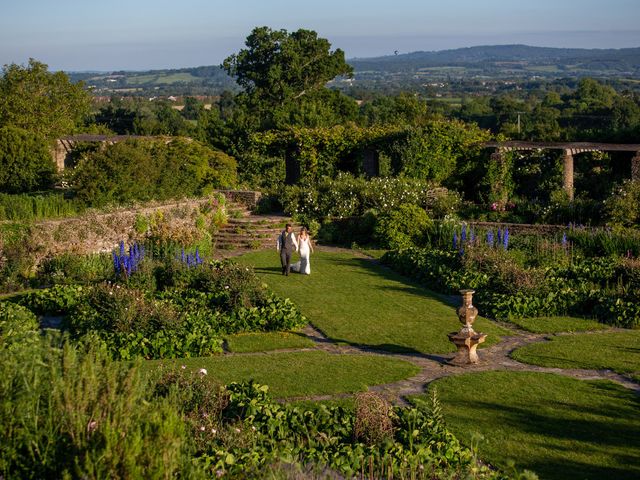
(520, 227)
(248, 198)
(102, 231)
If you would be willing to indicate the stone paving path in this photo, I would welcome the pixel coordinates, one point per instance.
(433, 367)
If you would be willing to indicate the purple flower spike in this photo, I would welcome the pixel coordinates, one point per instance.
(463, 236)
(505, 239)
(455, 240)
(116, 262)
(490, 238)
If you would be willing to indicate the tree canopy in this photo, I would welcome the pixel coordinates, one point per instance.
(280, 71)
(42, 102)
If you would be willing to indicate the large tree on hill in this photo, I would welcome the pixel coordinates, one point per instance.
(39, 101)
(279, 70)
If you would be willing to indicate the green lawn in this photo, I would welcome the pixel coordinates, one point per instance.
(559, 427)
(353, 300)
(557, 324)
(294, 374)
(618, 351)
(266, 341)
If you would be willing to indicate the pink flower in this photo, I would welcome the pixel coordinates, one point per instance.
(91, 426)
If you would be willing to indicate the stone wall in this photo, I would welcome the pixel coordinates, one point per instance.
(248, 198)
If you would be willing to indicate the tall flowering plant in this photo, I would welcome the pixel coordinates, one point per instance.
(190, 259)
(127, 263)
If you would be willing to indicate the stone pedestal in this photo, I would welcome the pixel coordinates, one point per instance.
(466, 340)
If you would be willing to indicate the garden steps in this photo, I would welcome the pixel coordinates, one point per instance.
(245, 231)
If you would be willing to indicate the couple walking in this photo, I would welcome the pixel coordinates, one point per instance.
(287, 244)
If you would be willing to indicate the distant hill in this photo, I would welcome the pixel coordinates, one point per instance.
(494, 61)
(624, 60)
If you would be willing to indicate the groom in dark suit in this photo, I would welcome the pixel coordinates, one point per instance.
(287, 244)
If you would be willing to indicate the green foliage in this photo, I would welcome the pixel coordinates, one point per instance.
(348, 196)
(28, 207)
(44, 103)
(151, 169)
(71, 412)
(25, 161)
(434, 150)
(284, 76)
(17, 324)
(324, 436)
(163, 310)
(70, 268)
(57, 300)
(132, 325)
(403, 227)
(623, 206)
(405, 109)
(506, 289)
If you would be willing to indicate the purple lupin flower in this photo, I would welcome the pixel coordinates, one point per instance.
(463, 235)
(198, 259)
(499, 239)
(472, 236)
(490, 238)
(564, 240)
(116, 262)
(505, 238)
(122, 248)
(455, 240)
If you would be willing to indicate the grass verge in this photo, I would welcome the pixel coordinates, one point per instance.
(617, 351)
(557, 324)
(298, 374)
(356, 301)
(266, 341)
(558, 427)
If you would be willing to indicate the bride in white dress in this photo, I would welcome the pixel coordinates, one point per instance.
(305, 249)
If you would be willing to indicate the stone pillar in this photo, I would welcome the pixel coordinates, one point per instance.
(498, 189)
(567, 173)
(59, 154)
(635, 167)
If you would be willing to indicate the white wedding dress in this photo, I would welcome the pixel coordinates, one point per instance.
(303, 265)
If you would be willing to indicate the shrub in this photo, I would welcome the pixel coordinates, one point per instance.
(17, 324)
(57, 300)
(346, 231)
(132, 325)
(25, 161)
(348, 196)
(403, 227)
(137, 170)
(623, 206)
(69, 268)
(373, 422)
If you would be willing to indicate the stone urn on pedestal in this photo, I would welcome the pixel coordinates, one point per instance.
(466, 340)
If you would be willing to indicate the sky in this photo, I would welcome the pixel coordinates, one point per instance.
(83, 35)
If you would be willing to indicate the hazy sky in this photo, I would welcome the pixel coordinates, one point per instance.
(144, 34)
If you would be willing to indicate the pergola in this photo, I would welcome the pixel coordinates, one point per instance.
(570, 149)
